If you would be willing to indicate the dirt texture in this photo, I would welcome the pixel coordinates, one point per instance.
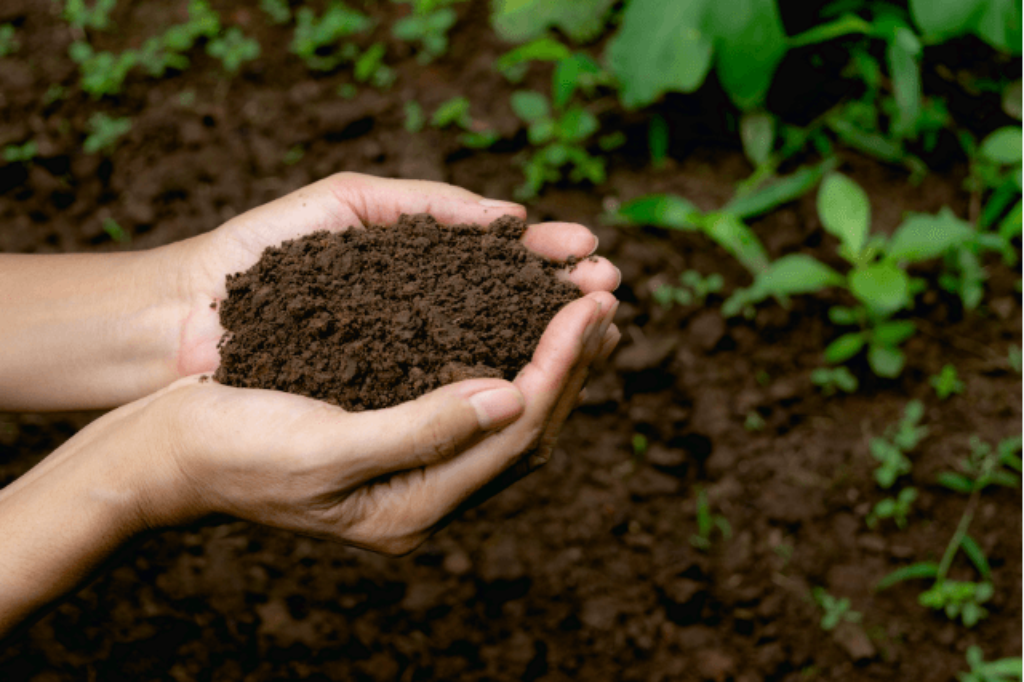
(584, 570)
(369, 318)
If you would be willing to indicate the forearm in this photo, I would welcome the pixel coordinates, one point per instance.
(87, 331)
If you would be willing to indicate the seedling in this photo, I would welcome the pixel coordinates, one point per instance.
(415, 119)
(233, 49)
(890, 450)
(314, 37)
(707, 523)
(1003, 670)
(834, 379)
(104, 133)
(8, 43)
(897, 509)
(103, 73)
(835, 610)
(986, 466)
(959, 599)
(456, 112)
(370, 68)
(277, 10)
(639, 443)
(947, 383)
(116, 232)
(80, 15)
(428, 25)
(14, 153)
(693, 289)
(754, 422)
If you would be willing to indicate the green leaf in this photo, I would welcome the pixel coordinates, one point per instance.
(1012, 668)
(540, 50)
(844, 25)
(956, 482)
(749, 44)
(661, 210)
(757, 131)
(925, 569)
(886, 361)
(976, 555)
(733, 235)
(882, 287)
(922, 237)
(845, 211)
(658, 140)
(999, 25)
(1003, 146)
(905, 71)
(842, 315)
(776, 193)
(577, 124)
(517, 21)
(844, 348)
(530, 106)
(660, 47)
(945, 18)
(893, 333)
(796, 273)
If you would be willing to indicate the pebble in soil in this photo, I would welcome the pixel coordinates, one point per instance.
(369, 318)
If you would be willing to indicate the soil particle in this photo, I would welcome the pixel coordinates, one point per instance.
(369, 318)
(854, 641)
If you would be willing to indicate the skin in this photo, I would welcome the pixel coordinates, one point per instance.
(137, 330)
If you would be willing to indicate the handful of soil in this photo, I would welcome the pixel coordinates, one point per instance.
(366, 319)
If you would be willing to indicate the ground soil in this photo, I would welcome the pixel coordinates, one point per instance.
(369, 318)
(584, 570)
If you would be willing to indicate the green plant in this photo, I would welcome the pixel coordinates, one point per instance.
(103, 73)
(428, 25)
(8, 43)
(315, 36)
(116, 232)
(693, 289)
(370, 67)
(890, 451)
(835, 610)
(415, 119)
(1013, 357)
(834, 379)
(277, 10)
(455, 111)
(23, 153)
(80, 15)
(233, 49)
(639, 443)
(754, 422)
(104, 131)
(959, 599)
(707, 522)
(1003, 670)
(897, 508)
(946, 382)
(986, 466)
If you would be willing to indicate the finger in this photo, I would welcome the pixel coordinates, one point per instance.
(559, 241)
(382, 200)
(593, 274)
(611, 340)
(432, 428)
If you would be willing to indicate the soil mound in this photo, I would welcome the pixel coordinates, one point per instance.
(370, 318)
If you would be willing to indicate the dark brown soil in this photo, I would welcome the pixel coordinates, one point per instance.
(583, 571)
(369, 318)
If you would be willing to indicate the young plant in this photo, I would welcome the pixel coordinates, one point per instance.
(233, 49)
(835, 610)
(116, 232)
(8, 43)
(370, 68)
(959, 599)
(1003, 670)
(104, 131)
(707, 523)
(23, 153)
(831, 380)
(428, 25)
(103, 73)
(693, 289)
(314, 37)
(456, 112)
(986, 466)
(81, 16)
(890, 451)
(947, 383)
(415, 119)
(277, 10)
(895, 508)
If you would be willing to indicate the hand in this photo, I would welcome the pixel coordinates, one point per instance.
(337, 203)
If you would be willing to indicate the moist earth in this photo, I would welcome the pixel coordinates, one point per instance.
(369, 318)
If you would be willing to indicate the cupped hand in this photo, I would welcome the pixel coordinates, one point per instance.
(337, 203)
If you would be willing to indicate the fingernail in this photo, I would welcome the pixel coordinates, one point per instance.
(597, 243)
(497, 407)
(619, 281)
(494, 203)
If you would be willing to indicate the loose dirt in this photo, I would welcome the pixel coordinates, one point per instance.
(369, 318)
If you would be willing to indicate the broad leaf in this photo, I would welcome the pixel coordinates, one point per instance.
(925, 569)
(922, 236)
(733, 235)
(757, 131)
(893, 333)
(1003, 146)
(999, 25)
(886, 361)
(796, 273)
(530, 106)
(661, 210)
(845, 211)
(566, 78)
(517, 21)
(660, 47)
(945, 18)
(844, 348)
(882, 287)
(749, 44)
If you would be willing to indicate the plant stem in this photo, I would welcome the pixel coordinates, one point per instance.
(958, 536)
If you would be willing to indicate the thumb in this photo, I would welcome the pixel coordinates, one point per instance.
(437, 426)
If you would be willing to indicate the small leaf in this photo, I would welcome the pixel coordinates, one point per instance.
(882, 287)
(956, 482)
(845, 211)
(905, 71)
(797, 273)
(976, 555)
(733, 235)
(542, 49)
(757, 131)
(661, 210)
(530, 106)
(925, 569)
(842, 315)
(885, 361)
(844, 348)
(777, 192)
(517, 21)
(1003, 146)
(922, 236)
(893, 333)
